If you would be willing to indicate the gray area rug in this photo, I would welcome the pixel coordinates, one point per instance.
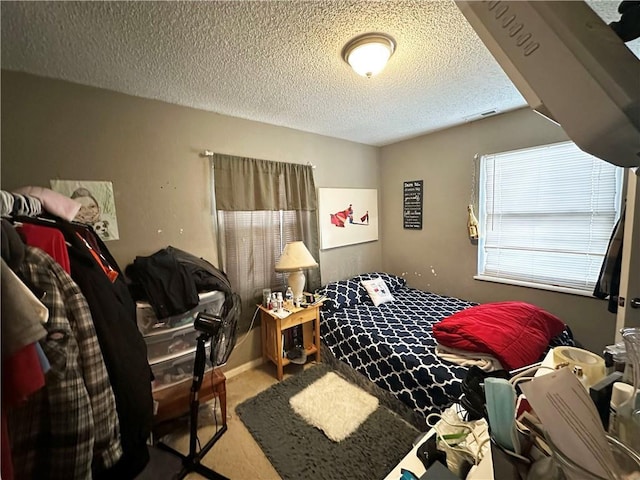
(300, 451)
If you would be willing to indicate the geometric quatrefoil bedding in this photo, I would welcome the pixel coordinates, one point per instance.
(393, 346)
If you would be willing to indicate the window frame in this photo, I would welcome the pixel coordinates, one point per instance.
(620, 186)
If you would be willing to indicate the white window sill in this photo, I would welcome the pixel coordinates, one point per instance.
(520, 283)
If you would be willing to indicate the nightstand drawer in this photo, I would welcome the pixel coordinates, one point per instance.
(298, 318)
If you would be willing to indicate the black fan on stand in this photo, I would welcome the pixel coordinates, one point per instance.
(222, 333)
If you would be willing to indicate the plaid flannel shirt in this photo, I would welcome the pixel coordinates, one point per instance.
(71, 425)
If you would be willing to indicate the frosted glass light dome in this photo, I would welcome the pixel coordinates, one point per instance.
(368, 54)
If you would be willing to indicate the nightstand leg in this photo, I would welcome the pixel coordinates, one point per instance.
(317, 339)
(279, 346)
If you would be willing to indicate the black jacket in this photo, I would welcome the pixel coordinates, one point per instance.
(204, 274)
(166, 284)
(123, 348)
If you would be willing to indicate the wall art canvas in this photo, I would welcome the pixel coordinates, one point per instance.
(347, 216)
(98, 204)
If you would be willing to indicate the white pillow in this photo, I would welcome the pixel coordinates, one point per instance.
(378, 291)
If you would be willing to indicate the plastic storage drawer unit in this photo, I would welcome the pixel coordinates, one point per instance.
(170, 342)
(210, 302)
(175, 369)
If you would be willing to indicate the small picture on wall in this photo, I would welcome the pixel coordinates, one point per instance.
(347, 216)
(98, 204)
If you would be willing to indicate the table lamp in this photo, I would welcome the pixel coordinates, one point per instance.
(294, 258)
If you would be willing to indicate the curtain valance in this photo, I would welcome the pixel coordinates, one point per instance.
(249, 184)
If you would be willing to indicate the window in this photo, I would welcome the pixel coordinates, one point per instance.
(260, 206)
(252, 242)
(546, 216)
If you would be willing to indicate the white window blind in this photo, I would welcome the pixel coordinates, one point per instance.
(546, 215)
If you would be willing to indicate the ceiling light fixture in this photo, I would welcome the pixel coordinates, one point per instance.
(368, 54)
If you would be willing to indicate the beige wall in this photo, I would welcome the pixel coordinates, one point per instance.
(149, 150)
(440, 257)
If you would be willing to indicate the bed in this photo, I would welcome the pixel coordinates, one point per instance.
(392, 344)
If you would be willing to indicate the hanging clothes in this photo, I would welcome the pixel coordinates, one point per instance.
(22, 313)
(69, 428)
(108, 270)
(6, 203)
(22, 374)
(123, 347)
(53, 202)
(22, 328)
(11, 245)
(48, 239)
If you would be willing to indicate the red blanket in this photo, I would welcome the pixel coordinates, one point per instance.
(516, 333)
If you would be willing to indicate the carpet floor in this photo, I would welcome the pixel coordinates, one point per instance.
(298, 450)
(236, 455)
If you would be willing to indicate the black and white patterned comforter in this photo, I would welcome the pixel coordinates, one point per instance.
(392, 345)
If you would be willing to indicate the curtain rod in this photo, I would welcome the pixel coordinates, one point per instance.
(209, 153)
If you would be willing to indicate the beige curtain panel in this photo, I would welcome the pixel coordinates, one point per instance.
(261, 206)
(249, 184)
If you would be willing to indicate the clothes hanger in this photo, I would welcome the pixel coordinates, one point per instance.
(20, 220)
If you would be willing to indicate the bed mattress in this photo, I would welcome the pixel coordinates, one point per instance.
(393, 346)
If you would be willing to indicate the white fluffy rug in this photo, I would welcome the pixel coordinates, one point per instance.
(334, 405)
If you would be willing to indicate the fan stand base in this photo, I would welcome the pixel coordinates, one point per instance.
(191, 461)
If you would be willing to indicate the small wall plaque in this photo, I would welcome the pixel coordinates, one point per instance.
(412, 206)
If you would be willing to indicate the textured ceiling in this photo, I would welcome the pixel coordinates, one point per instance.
(276, 62)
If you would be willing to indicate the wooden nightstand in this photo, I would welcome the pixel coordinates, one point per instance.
(273, 326)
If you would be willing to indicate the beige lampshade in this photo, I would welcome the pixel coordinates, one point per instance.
(295, 256)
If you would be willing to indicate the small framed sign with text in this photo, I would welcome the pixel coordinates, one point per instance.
(412, 206)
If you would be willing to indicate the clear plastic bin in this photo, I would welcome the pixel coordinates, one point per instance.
(148, 324)
(170, 342)
(175, 369)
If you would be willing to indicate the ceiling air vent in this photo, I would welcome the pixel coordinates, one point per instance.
(479, 116)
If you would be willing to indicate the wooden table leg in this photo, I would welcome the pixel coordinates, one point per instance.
(279, 347)
(317, 342)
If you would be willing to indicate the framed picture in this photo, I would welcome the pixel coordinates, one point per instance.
(98, 204)
(347, 216)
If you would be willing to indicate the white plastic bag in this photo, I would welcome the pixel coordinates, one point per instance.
(464, 443)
